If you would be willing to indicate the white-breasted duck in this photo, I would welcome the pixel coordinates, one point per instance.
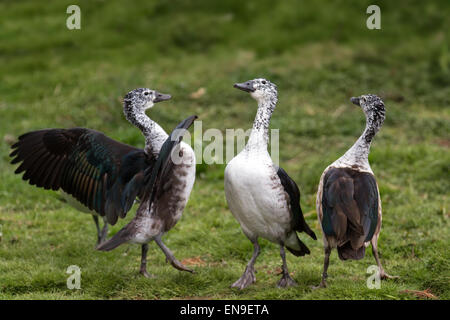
(261, 195)
(348, 200)
(106, 176)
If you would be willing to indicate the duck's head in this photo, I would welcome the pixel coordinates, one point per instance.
(259, 89)
(373, 107)
(139, 100)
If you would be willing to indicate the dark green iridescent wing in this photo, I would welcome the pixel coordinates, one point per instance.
(86, 164)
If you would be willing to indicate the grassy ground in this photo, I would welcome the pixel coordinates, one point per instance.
(318, 54)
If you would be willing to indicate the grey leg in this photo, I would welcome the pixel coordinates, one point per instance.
(326, 262)
(97, 225)
(170, 257)
(383, 274)
(248, 277)
(143, 268)
(104, 232)
(286, 280)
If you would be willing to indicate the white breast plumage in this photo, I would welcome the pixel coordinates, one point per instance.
(256, 198)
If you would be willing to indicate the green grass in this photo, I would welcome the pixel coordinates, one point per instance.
(318, 54)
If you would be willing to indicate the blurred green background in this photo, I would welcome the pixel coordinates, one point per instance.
(318, 53)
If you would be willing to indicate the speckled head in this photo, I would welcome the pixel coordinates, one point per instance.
(139, 100)
(259, 89)
(374, 109)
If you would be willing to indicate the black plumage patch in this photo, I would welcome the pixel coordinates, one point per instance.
(291, 188)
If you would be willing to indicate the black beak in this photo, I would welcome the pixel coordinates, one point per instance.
(245, 86)
(355, 100)
(161, 97)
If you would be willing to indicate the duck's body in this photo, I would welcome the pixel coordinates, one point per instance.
(358, 210)
(257, 198)
(160, 210)
(159, 213)
(106, 176)
(261, 196)
(167, 207)
(348, 200)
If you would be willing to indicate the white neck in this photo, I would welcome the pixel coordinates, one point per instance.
(153, 133)
(358, 155)
(259, 137)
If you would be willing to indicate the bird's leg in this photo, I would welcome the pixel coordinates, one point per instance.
(383, 274)
(97, 225)
(326, 262)
(126, 251)
(248, 277)
(143, 268)
(286, 280)
(170, 257)
(104, 232)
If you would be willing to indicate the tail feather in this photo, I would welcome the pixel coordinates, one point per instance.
(347, 252)
(299, 249)
(119, 238)
(308, 231)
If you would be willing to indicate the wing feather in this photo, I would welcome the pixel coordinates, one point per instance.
(293, 191)
(82, 162)
(155, 176)
(350, 205)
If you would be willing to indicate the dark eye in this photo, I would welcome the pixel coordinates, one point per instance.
(146, 93)
(263, 82)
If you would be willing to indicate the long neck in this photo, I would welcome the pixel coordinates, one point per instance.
(259, 137)
(361, 147)
(358, 154)
(153, 133)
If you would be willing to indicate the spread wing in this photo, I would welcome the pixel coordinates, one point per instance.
(101, 173)
(291, 188)
(350, 205)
